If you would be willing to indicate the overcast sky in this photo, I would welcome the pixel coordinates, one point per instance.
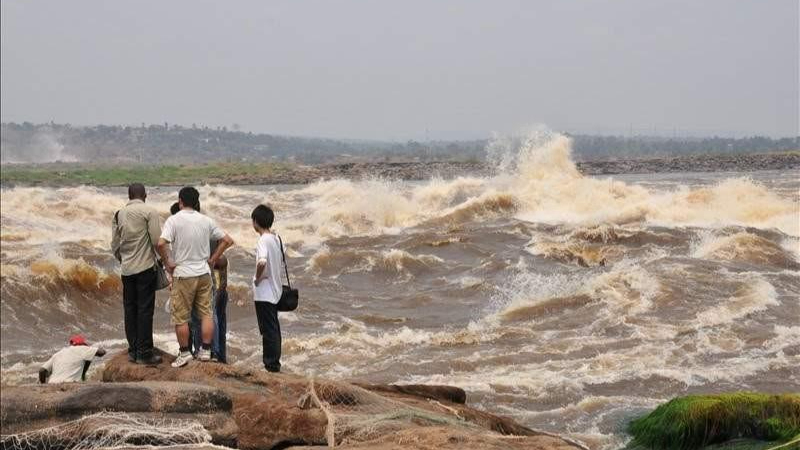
(391, 70)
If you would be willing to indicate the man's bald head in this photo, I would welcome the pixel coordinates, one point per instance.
(136, 191)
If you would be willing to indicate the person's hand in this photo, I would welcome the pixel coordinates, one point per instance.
(256, 281)
(170, 267)
(212, 262)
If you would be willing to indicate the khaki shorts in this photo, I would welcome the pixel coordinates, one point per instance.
(188, 293)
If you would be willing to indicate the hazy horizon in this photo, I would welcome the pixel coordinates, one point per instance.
(439, 71)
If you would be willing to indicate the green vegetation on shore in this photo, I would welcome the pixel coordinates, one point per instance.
(121, 175)
(697, 421)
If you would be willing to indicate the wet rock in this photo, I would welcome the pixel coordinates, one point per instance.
(444, 438)
(434, 392)
(254, 409)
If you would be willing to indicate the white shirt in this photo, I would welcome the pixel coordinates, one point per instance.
(268, 250)
(67, 364)
(190, 234)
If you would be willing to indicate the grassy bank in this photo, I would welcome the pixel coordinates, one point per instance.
(106, 175)
(701, 421)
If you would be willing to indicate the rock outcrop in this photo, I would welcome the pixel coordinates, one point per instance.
(252, 409)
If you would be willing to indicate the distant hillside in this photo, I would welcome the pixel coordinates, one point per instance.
(175, 144)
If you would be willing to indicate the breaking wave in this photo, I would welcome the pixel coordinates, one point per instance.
(394, 261)
(746, 247)
(753, 296)
(56, 276)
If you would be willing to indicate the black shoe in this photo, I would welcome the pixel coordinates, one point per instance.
(152, 360)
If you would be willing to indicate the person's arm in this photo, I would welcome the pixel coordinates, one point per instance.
(260, 267)
(163, 251)
(163, 246)
(45, 371)
(222, 267)
(154, 229)
(86, 365)
(99, 352)
(115, 237)
(223, 244)
(261, 261)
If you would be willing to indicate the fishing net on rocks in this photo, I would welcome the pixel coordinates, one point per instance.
(356, 415)
(109, 430)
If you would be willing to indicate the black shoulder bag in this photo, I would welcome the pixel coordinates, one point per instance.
(289, 296)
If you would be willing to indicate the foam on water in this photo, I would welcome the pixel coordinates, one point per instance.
(745, 247)
(395, 261)
(754, 295)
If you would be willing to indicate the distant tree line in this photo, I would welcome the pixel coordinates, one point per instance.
(593, 147)
(166, 143)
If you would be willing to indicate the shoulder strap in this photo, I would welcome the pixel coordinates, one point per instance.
(285, 267)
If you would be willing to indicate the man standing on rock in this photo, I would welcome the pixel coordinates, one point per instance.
(135, 229)
(189, 233)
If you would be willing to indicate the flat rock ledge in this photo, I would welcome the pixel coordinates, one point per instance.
(229, 406)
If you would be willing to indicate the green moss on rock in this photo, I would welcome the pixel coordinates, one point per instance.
(697, 421)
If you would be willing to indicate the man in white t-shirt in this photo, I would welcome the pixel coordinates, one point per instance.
(70, 364)
(267, 286)
(189, 233)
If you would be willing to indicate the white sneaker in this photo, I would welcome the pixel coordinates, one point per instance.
(182, 359)
(204, 355)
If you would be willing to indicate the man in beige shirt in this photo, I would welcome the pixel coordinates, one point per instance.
(135, 231)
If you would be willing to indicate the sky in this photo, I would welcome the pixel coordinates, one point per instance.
(411, 69)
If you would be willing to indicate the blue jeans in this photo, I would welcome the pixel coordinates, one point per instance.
(219, 305)
(219, 345)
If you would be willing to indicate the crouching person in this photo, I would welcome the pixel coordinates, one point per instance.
(70, 364)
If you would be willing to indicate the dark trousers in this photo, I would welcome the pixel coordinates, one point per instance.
(270, 329)
(221, 326)
(195, 333)
(219, 305)
(139, 299)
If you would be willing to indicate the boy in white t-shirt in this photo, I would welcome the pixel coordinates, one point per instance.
(267, 286)
(70, 364)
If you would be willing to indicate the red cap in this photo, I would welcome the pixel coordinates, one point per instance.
(77, 340)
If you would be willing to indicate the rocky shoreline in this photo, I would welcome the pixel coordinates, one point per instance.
(698, 163)
(207, 403)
